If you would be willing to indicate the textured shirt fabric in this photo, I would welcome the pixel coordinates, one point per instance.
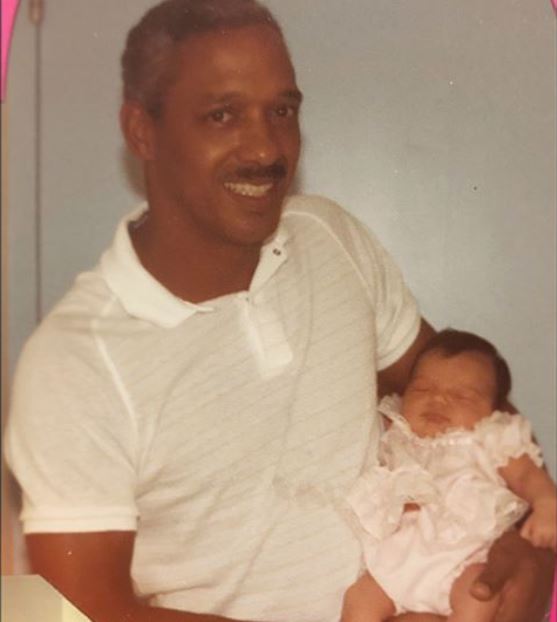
(465, 504)
(226, 433)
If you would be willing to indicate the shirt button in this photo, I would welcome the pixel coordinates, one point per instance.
(277, 252)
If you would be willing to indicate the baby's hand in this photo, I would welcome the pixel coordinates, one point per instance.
(541, 526)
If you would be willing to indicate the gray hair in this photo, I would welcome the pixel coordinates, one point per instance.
(149, 59)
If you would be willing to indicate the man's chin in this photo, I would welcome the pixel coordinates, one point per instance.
(256, 227)
(251, 237)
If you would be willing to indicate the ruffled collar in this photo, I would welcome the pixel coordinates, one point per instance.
(391, 405)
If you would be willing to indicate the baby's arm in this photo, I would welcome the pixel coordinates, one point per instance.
(533, 484)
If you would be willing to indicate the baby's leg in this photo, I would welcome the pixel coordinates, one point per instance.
(365, 601)
(465, 607)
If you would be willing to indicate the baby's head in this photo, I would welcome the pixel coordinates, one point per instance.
(457, 379)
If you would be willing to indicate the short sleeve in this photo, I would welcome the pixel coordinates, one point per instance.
(69, 441)
(397, 317)
(505, 436)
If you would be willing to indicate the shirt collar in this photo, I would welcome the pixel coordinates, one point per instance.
(142, 296)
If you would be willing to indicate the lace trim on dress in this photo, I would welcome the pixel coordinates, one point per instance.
(503, 435)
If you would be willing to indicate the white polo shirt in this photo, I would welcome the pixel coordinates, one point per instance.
(226, 433)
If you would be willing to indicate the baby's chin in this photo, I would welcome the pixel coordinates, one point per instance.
(430, 423)
(428, 430)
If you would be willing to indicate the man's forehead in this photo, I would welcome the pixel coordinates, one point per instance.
(221, 64)
(294, 95)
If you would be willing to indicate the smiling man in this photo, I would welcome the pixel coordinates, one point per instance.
(220, 152)
(187, 421)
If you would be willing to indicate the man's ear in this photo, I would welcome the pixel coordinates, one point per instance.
(138, 129)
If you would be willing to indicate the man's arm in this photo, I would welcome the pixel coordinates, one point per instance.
(394, 378)
(93, 571)
(524, 576)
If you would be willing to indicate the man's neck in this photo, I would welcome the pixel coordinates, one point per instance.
(191, 269)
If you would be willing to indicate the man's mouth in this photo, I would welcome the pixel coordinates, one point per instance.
(255, 191)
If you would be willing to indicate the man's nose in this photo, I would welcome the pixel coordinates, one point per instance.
(260, 144)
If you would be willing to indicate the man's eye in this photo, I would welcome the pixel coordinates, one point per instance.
(220, 116)
(286, 111)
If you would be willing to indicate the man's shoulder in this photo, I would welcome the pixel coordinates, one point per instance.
(305, 213)
(87, 298)
(316, 207)
(72, 318)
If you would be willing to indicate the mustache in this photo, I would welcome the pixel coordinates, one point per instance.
(274, 171)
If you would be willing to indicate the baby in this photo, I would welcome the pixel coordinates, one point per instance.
(455, 473)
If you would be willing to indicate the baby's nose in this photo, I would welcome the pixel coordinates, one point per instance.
(439, 397)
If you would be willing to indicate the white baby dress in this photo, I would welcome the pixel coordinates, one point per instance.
(464, 504)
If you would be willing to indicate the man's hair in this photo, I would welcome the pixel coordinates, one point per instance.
(450, 342)
(149, 58)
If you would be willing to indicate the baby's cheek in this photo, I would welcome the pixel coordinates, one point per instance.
(469, 417)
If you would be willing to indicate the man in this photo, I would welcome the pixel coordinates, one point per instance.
(188, 419)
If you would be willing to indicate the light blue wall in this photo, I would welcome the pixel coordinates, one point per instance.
(434, 122)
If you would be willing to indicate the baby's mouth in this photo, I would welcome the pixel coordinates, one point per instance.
(435, 417)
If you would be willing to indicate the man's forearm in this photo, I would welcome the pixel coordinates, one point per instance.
(526, 573)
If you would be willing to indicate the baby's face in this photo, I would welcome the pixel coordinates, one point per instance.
(449, 392)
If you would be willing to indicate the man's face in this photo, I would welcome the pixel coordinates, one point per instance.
(226, 146)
